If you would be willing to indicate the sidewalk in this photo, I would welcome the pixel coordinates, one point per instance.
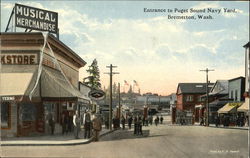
(50, 140)
(221, 126)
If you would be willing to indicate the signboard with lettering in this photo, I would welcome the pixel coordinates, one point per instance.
(19, 58)
(36, 19)
(8, 98)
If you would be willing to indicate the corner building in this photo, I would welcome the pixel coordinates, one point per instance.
(39, 77)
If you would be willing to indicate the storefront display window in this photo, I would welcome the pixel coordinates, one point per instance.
(5, 113)
(28, 112)
(51, 108)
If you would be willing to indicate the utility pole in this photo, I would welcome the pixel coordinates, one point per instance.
(119, 102)
(207, 102)
(111, 99)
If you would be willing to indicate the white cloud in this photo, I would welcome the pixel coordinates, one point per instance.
(140, 46)
(7, 5)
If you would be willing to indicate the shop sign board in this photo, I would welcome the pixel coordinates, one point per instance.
(36, 19)
(8, 98)
(16, 58)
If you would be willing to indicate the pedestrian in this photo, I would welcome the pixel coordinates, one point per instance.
(156, 120)
(70, 122)
(161, 119)
(87, 125)
(51, 123)
(146, 121)
(247, 120)
(227, 121)
(106, 123)
(150, 119)
(65, 120)
(139, 131)
(123, 122)
(135, 125)
(202, 121)
(216, 120)
(76, 123)
(241, 121)
(97, 127)
(143, 121)
(130, 120)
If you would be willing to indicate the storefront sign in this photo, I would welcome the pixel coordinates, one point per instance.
(19, 59)
(36, 19)
(8, 98)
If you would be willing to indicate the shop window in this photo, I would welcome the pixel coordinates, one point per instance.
(52, 108)
(5, 115)
(28, 112)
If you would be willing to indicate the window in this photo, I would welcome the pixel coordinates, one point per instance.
(232, 95)
(5, 114)
(28, 112)
(189, 98)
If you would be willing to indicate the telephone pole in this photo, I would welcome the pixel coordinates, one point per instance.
(207, 102)
(119, 102)
(111, 99)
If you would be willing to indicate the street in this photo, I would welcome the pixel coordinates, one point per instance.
(171, 141)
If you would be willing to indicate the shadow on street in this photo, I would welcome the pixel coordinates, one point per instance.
(126, 134)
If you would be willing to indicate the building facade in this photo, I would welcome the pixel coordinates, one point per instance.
(39, 80)
(188, 95)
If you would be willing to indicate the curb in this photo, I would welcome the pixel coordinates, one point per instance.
(212, 126)
(54, 144)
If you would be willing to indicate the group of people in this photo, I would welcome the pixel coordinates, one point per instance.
(92, 124)
(226, 120)
(138, 121)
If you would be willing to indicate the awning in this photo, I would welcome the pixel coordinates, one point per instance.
(229, 107)
(55, 85)
(199, 106)
(244, 107)
(20, 80)
(17, 80)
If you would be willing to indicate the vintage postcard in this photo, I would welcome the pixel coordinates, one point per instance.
(118, 79)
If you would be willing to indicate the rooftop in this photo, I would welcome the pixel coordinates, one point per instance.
(193, 88)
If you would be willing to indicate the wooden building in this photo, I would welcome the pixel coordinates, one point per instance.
(39, 77)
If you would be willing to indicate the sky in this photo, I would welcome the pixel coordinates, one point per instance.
(148, 47)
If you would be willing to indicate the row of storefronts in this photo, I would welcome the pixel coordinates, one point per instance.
(228, 101)
(39, 78)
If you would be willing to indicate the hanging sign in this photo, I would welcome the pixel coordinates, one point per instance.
(36, 19)
(96, 94)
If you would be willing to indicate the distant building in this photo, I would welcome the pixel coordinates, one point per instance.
(154, 99)
(188, 95)
(218, 97)
(236, 88)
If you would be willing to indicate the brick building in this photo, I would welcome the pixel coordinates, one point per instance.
(188, 95)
